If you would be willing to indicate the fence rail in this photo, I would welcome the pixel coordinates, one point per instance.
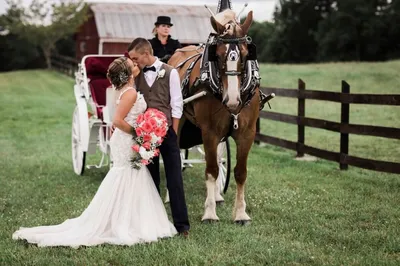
(65, 64)
(345, 98)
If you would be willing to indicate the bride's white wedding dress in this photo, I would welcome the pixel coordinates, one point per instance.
(126, 209)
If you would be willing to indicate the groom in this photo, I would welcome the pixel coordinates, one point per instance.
(160, 85)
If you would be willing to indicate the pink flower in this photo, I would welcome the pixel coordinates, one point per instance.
(148, 114)
(156, 152)
(139, 131)
(145, 162)
(140, 118)
(153, 122)
(147, 137)
(147, 127)
(160, 115)
(163, 131)
(135, 148)
(159, 132)
(146, 145)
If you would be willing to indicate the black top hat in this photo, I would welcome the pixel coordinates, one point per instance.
(163, 20)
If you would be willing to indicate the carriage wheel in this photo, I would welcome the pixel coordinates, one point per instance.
(78, 155)
(224, 163)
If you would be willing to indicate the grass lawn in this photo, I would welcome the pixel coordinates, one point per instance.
(374, 78)
(304, 213)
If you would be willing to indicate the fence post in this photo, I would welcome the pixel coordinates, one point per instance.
(301, 112)
(344, 120)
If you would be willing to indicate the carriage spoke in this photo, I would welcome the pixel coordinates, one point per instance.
(78, 155)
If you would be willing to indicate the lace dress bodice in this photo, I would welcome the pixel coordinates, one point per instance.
(121, 142)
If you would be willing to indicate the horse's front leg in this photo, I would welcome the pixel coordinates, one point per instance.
(210, 147)
(239, 212)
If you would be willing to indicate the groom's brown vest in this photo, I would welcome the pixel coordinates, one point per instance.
(158, 95)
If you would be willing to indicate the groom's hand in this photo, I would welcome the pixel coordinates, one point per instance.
(175, 125)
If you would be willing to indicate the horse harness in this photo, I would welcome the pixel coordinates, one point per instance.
(210, 75)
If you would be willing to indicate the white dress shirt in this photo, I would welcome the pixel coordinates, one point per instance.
(174, 87)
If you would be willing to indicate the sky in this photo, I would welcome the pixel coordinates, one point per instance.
(262, 9)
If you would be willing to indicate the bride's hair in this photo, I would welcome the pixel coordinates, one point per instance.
(119, 72)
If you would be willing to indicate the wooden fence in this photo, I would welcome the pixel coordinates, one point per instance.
(65, 64)
(345, 98)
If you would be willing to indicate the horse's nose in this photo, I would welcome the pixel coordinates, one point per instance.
(224, 101)
(232, 106)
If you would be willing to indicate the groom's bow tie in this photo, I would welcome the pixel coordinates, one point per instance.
(152, 68)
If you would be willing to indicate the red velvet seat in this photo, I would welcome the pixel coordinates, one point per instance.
(96, 71)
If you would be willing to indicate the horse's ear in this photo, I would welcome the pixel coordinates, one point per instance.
(216, 25)
(247, 23)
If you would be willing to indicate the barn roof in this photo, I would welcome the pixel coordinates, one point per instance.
(126, 21)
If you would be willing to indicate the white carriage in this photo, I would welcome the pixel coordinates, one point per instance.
(92, 122)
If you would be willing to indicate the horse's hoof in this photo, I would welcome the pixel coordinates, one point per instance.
(220, 203)
(209, 221)
(243, 222)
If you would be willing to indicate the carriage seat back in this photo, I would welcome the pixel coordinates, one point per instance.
(96, 71)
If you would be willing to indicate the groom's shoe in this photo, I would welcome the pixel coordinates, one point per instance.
(185, 234)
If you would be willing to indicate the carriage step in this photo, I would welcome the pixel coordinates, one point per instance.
(188, 165)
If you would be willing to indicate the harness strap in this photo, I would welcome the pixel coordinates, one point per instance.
(185, 81)
(187, 59)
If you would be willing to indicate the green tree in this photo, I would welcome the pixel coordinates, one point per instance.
(261, 32)
(355, 30)
(392, 20)
(43, 23)
(296, 23)
(15, 52)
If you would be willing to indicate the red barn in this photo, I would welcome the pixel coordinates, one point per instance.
(112, 26)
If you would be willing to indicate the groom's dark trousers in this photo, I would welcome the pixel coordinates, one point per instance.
(170, 153)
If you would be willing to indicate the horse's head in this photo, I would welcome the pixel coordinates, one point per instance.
(231, 50)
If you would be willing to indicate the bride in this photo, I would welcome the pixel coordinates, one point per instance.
(126, 208)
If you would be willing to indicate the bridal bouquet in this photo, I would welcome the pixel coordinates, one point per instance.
(150, 130)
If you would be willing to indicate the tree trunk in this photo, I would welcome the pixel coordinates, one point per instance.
(47, 56)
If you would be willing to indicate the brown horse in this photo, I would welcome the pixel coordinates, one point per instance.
(231, 105)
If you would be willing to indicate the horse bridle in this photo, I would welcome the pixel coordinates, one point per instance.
(249, 70)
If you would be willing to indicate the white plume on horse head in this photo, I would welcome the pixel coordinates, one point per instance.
(224, 21)
(225, 16)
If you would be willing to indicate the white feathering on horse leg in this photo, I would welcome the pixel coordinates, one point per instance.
(219, 187)
(239, 211)
(210, 205)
